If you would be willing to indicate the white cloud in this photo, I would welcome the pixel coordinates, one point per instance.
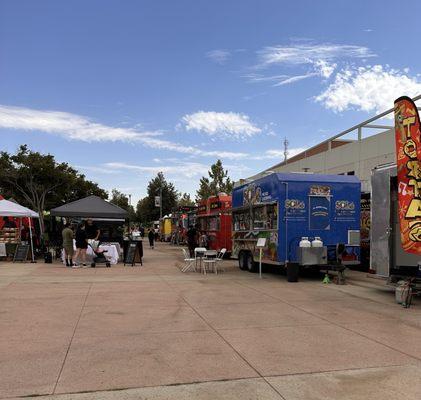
(67, 125)
(191, 150)
(178, 168)
(325, 68)
(221, 124)
(279, 154)
(318, 59)
(75, 127)
(372, 88)
(296, 78)
(219, 56)
(309, 53)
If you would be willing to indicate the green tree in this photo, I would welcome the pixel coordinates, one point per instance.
(146, 209)
(122, 200)
(39, 182)
(217, 182)
(185, 200)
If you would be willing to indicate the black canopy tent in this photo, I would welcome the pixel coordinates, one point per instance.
(108, 217)
(91, 206)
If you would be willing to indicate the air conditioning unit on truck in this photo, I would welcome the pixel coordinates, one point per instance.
(304, 218)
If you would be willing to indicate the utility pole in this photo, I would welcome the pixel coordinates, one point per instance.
(286, 143)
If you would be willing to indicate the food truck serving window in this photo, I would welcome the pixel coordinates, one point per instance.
(263, 217)
(241, 220)
(209, 223)
(319, 213)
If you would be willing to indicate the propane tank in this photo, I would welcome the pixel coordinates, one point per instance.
(304, 242)
(317, 242)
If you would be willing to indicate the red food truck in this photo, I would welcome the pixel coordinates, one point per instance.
(214, 219)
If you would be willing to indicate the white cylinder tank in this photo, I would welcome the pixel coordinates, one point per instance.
(317, 242)
(304, 242)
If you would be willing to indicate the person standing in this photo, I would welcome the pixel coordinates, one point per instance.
(151, 237)
(92, 230)
(81, 244)
(67, 235)
(192, 239)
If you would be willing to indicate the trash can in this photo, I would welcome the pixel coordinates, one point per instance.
(292, 272)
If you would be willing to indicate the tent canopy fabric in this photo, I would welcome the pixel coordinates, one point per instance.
(91, 206)
(11, 209)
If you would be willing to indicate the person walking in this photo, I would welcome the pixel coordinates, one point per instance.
(81, 244)
(192, 240)
(67, 235)
(151, 237)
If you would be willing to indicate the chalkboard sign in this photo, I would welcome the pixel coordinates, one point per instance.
(131, 254)
(21, 253)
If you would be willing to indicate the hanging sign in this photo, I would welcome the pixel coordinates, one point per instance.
(157, 201)
(408, 157)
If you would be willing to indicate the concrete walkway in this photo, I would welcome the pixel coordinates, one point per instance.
(154, 333)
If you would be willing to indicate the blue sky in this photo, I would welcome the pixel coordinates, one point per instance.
(123, 89)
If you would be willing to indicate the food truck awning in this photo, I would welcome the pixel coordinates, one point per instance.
(11, 209)
(91, 206)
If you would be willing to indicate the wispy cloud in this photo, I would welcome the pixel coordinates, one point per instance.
(296, 78)
(278, 154)
(309, 58)
(221, 124)
(218, 56)
(68, 125)
(176, 168)
(371, 88)
(75, 127)
(310, 53)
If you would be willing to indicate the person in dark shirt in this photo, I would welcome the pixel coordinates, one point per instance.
(192, 239)
(151, 237)
(81, 244)
(92, 230)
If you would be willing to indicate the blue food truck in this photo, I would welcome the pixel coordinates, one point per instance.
(304, 218)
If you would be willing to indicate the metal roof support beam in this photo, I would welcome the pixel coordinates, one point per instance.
(379, 126)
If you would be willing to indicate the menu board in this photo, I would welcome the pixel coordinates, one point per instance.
(21, 253)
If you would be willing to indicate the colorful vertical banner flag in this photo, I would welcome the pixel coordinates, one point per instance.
(408, 158)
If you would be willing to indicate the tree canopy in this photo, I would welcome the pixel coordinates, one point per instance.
(122, 200)
(146, 210)
(185, 200)
(39, 182)
(217, 182)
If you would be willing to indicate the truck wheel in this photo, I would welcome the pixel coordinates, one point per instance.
(242, 260)
(251, 265)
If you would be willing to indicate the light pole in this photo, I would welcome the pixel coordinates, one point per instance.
(160, 202)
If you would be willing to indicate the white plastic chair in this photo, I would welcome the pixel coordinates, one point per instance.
(199, 253)
(188, 262)
(219, 258)
(210, 260)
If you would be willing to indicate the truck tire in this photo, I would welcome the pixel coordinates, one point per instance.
(242, 260)
(250, 264)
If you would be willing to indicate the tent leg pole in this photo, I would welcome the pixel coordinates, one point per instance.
(32, 242)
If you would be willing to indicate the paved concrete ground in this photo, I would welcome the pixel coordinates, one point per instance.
(154, 333)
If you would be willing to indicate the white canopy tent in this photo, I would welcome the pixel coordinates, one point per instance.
(11, 209)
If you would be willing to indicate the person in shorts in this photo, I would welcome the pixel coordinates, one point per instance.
(81, 244)
(67, 235)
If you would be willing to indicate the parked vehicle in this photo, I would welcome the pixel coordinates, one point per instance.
(165, 228)
(388, 258)
(215, 221)
(306, 219)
